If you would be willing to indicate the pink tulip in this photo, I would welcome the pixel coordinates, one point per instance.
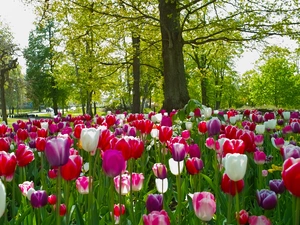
(186, 134)
(259, 220)
(259, 157)
(210, 143)
(24, 155)
(137, 181)
(277, 142)
(113, 163)
(125, 184)
(259, 139)
(82, 185)
(204, 205)
(25, 186)
(156, 218)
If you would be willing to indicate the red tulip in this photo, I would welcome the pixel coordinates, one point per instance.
(194, 165)
(248, 138)
(24, 155)
(243, 217)
(77, 130)
(52, 199)
(136, 148)
(40, 144)
(233, 146)
(42, 133)
(202, 127)
(110, 120)
(104, 140)
(72, 169)
(231, 187)
(22, 134)
(230, 132)
(4, 144)
(3, 129)
(8, 162)
(290, 175)
(165, 134)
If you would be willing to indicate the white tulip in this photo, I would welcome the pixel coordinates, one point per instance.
(161, 185)
(235, 165)
(260, 128)
(89, 139)
(188, 125)
(2, 198)
(174, 166)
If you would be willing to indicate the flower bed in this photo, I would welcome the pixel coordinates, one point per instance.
(191, 166)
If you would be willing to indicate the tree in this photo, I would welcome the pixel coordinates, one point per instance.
(8, 62)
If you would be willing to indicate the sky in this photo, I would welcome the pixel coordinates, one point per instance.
(20, 18)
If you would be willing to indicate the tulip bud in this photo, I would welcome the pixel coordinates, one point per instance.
(266, 199)
(159, 170)
(82, 184)
(137, 181)
(277, 186)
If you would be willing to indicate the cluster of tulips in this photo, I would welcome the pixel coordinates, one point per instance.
(191, 166)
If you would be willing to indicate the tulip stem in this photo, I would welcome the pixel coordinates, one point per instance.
(90, 195)
(120, 197)
(260, 167)
(112, 187)
(179, 194)
(237, 202)
(297, 211)
(229, 204)
(58, 186)
(42, 171)
(131, 192)
(67, 197)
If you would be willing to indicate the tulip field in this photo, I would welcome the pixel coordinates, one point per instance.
(190, 166)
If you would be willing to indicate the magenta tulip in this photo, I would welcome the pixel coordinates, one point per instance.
(156, 218)
(154, 202)
(113, 163)
(137, 181)
(82, 185)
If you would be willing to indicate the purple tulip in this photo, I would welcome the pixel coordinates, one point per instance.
(213, 126)
(39, 199)
(178, 152)
(154, 202)
(266, 199)
(277, 186)
(194, 151)
(295, 127)
(57, 151)
(113, 162)
(166, 121)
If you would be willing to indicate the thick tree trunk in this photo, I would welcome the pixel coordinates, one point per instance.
(136, 103)
(175, 85)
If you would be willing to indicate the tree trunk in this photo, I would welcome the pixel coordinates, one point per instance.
(204, 90)
(136, 102)
(3, 102)
(175, 85)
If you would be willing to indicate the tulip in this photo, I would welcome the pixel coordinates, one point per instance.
(62, 209)
(194, 165)
(173, 165)
(22, 134)
(57, 151)
(233, 146)
(260, 128)
(165, 134)
(259, 220)
(210, 143)
(2, 198)
(161, 185)
(39, 199)
(266, 199)
(40, 144)
(4, 144)
(213, 126)
(194, 151)
(156, 218)
(202, 127)
(270, 124)
(259, 157)
(125, 184)
(207, 112)
(72, 169)
(154, 202)
(82, 185)
(89, 138)
(8, 162)
(295, 127)
(204, 205)
(231, 187)
(178, 152)
(259, 139)
(286, 115)
(277, 142)
(25, 186)
(113, 163)
(277, 186)
(118, 212)
(166, 121)
(105, 140)
(185, 134)
(110, 120)
(290, 150)
(290, 175)
(52, 199)
(3, 129)
(159, 170)
(235, 166)
(137, 180)
(77, 130)
(24, 155)
(154, 133)
(188, 125)
(243, 217)
(136, 148)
